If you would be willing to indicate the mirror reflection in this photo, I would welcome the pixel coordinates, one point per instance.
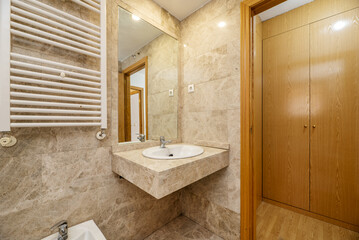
(148, 81)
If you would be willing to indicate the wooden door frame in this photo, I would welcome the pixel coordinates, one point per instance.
(249, 8)
(124, 97)
(139, 90)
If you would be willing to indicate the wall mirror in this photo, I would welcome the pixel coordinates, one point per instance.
(148, 80)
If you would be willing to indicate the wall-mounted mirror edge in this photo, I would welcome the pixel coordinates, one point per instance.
(148, 65)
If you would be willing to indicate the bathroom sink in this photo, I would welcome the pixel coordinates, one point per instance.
(175, 151)
(83, 231)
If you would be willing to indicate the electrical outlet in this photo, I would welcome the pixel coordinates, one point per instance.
(170, 92)
(191, 88)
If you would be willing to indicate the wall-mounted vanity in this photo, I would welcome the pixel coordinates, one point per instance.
(147, 109)
(161, 177)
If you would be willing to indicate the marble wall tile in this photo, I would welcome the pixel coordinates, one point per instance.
(210, 11)
(20, 179)
(208, 36)
(162, 81)
(65, 173)
(163, 125)
(212, 187)
(161, 103)
(184, 229)
(32, 141)
(78, 138)
(215, 64)
(33, 222)
(68, 173)
(221, 221)
(206, 125)
(163, 61)
(128, 207)
(211, 61)
(216, 95)
(214, 144)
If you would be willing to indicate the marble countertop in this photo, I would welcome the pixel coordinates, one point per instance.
(163, 177)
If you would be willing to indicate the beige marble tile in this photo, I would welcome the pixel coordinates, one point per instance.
(161, 103)
(216, 95)
(77, 138)
(214, 188)
(213, 9)
(212, 65)
(202, 38)
(129, 213)
(163, 125)
(20, 180)
(221, 221)
(162, 177)
(31, 141)
(65, 173)
(162, 55)
(182, 228)
(234, 133)
(211, 60)
(206, 143)
(207, 125)
(163, 80)
(69, 173)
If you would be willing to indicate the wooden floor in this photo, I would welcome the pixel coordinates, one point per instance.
(281, 224)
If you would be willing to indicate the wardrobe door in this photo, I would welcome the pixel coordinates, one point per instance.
(286, 118)
(334, 62)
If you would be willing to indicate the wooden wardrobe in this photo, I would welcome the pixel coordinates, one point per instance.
(311, 117)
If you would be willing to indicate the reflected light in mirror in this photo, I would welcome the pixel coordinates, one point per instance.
(339, 25)
(134, 17)
(222, 24)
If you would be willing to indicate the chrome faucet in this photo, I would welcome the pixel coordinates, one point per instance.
(141, 137)
(62, 226)
(164, 142)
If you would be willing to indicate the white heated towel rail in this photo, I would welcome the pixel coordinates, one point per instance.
(38, 92)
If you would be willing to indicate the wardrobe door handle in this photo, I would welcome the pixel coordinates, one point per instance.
(305, 126)
(314, 126)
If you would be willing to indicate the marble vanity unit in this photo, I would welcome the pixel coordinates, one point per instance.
(163, 177)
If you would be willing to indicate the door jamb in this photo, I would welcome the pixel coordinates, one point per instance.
(139, 90)
(124, 91)
(249, 8)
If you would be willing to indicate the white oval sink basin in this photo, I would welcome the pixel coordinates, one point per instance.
(175, 151)
(83, 231)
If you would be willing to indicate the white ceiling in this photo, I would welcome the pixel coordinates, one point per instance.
(282, 8)
(181, 8)
(133, 35)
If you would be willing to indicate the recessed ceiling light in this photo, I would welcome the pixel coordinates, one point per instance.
(222, 24)
(184, 45)
(134, 17)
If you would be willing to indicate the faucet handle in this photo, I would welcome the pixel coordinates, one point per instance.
(62, 226)
(162, 138)
(141, 137)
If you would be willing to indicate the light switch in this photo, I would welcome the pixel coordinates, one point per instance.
(170, 92)
(191, 88)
